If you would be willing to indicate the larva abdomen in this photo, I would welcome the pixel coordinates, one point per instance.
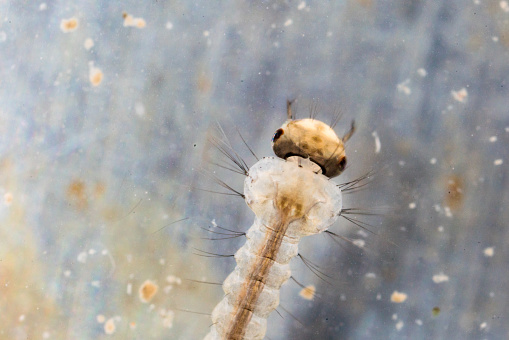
(290, 200)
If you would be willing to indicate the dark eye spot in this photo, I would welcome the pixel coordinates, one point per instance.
(342, 164)
(279, 133)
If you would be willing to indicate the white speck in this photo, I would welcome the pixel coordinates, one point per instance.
(359, 243)
(206, 33)
(394, 316)
(422, 72)
(403, 87)
(448, 212)
(439, 278)
(412, 205)
(379, 296)
(43, 6)
(437, 208)
(45, 335)
(477, 2)
(129, 289)
(129, 258)
(507, 129)
(440, 228)
(82, 257)
(139, 108)
(342, 297)
(370, 275)
(498, 161)
(495, 39)
(67, 273)
(91, 251)
(401, 163)
(418, 322)
(167, 289)
(3, 36)
(100, 318)
(21, 318)
(505, 6)
(483, 326)
(433, 161)
(88, 44)
(301, 6)
(96, 284)
(329, 34)
(173, 279)
(168, 319)
(460, 96)
(399, 325)
(378, 145)
(492, 295)
(362, 233)
(493, 139)
(489, 252)
(169, 25)
(104, 252)
(288, 22)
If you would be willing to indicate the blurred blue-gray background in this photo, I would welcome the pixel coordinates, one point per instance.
(105, 111)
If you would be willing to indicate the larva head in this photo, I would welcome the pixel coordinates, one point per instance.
(313, 139)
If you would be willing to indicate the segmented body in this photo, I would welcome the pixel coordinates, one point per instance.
(291, 199)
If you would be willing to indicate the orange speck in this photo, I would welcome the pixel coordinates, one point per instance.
(109, 326)
(398, 297)
(95, 76)
(130, 21)
(308, 292)
(204, 83)
(8, 198)
(69, 25)
(99, 189)
(140, 23)
(147, 291)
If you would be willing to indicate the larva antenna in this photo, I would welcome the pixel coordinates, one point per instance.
(350, 132)
(289, 114)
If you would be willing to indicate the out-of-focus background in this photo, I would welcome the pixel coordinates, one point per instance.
(105, 110)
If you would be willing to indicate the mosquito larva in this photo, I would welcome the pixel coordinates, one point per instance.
(292, 196)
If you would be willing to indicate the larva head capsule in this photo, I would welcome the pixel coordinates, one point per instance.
(313, 139)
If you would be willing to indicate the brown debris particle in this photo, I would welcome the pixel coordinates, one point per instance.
(147, 291)
(76, 194)
(454, 195)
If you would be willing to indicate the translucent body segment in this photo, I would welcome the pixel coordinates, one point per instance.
(289, 201)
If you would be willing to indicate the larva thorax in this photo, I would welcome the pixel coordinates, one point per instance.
(291, 199)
